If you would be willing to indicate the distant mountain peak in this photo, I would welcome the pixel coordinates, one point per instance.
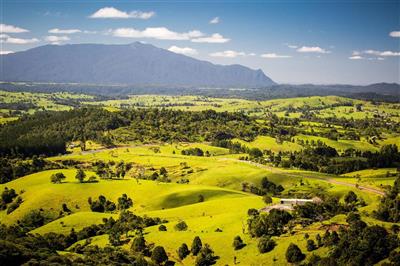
(136, 64)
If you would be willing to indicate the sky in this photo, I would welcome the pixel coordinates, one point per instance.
(297, 42)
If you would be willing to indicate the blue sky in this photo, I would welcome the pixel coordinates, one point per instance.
(323, 42)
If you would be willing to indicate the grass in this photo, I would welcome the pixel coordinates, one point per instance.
(270, 143)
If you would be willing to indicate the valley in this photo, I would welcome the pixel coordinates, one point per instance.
(211, 164)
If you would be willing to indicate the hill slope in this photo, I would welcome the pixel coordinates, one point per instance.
(135, 64)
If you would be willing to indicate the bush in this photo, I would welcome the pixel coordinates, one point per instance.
(138, 244)
(159, 255)
(162, 228)
(238, 243)
(311, 245)
(205, 257)
(196, 245)
(266, 244)
(80, 175)
(294, 254)
(183, 251)
(181, 226)
(267, 199)
(57, 178)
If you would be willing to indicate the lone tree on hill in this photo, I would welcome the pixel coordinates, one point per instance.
(57, 178)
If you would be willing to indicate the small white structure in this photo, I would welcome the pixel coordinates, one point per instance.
(295, 201)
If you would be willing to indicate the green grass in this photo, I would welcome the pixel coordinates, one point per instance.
(269, 143)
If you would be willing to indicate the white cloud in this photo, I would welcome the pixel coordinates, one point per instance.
(214, 38)
(4, 28)
(214, 20)
(160, 33)
(312, 49)
(291, 46)
(183, 50)
(382, 53)
(380, 58)
(7, 39)
(274, 55)
(57, 39)
(6, 52)
(65, 31)
(395, 34)
(356, 57)
(228, 54)
(111, 12)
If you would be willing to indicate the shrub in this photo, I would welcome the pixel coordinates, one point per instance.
(57, 178)
(196, 245)
(311, 245)
(80, 175)
(294, 254)
(266, 244)
(205, 257)
(162, 228)
(138, 244)
(238, 243)
(183, 251)
(181, 226)
(267, 199)
(159, 255)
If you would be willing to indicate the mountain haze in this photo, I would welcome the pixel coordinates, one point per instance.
(135, 64)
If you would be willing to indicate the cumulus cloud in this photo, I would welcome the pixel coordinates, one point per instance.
(5, 52)
(111, 12)
(160, 33)
(4, 38)
(214, 20)
(356, 57)
(312, 49)
(291, 46)
(4, 28)
(57, 39)
(274, 55)
(214, 38)
(163, 33)
(182, 50)
(395, 34)
(382, 53)
(64, 31)
(228, 54)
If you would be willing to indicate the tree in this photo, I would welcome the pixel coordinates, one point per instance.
(267, 199)
(265, 244)
(238, 243)
(255, 153)
(80, 175)
(351, 197)
(163, 171)
(181, 226)
(138, 244)
(206, 256)
(159, 255)
(311, 245)
(196, 245)
(183, 251)
(57, 178)
(294, 254)
(124, 202)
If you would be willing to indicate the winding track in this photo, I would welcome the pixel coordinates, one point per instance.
(272, 170)
(329, 180)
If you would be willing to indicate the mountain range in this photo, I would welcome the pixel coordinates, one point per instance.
(135, 64)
